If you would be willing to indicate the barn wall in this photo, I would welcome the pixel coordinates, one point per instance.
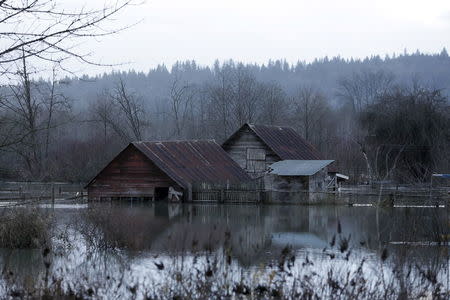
(130, 174)
(246, 148)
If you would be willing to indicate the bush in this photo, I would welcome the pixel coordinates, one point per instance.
(24, 228)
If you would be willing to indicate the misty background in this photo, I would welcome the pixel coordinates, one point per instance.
(167, 70)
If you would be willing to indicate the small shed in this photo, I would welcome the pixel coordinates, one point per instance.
(256, 147)
(303, 181)
(298, 175)
(150, 170)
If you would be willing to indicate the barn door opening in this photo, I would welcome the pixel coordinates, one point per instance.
(161, 193)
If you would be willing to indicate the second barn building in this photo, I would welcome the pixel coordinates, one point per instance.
(281, 157)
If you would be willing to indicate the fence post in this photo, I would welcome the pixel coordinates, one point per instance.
(395, 193)
(21, 194)
(431, 188)
(53, 195)
(189, 190)
(222, 195)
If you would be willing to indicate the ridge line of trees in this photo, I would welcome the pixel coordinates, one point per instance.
(377, 122)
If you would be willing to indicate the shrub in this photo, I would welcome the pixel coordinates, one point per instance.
(25, 228)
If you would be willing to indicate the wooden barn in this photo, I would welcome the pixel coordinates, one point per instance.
(161, 170)
(256, 147)
(281, 157)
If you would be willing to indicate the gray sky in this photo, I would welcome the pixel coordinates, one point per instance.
(259, 30)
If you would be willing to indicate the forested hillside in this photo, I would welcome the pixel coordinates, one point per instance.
(64, 128)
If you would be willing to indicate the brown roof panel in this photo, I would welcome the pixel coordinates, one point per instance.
(193, 161)
(285, 142)
(288, 144)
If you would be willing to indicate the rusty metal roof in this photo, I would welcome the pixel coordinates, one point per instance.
(284, 141)
(193, 161)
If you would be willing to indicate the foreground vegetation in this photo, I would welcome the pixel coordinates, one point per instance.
(101, 254)
(25, 228)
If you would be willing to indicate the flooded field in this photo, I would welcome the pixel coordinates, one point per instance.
(174, 251)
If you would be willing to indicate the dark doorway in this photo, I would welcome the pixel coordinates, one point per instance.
(161, 193)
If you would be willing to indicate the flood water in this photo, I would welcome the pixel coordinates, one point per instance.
(142, 246)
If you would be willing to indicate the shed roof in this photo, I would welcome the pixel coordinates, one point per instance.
(284, 141)
(298, 167)
(193, 161)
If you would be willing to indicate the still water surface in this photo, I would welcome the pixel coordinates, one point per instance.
(145, 237)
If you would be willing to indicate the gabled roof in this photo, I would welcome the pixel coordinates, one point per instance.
(186, 162)
(284, 141)
(298, 167)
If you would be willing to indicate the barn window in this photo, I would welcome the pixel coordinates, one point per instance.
(256, 160)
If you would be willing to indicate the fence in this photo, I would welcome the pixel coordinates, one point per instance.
(245, 192)
(22, 192)
(254, 192)
(398, 194)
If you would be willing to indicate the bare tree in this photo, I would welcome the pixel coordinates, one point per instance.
(45, 31)
(247, 94)
(102, 110)
(54, 101)
(310, 107)
(220, 94)
(362, 89)
(25, 109)
(235, 98)
(131, 107)
(21, 110)
(181, 96)
(30, 115)
(274, 104)
(122, 111)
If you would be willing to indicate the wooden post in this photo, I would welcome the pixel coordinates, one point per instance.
(21, 194)
(189, 192)
(396, 192)
(53, 195)
(431, 188)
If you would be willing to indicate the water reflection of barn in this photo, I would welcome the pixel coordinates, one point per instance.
(250, 229)
(149, 170)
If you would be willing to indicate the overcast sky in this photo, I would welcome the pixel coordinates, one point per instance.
(259, 30)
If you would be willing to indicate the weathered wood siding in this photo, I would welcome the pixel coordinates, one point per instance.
(277, 183)
(130, 174)
(252, 154)
(298, 189)
(318, 182)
